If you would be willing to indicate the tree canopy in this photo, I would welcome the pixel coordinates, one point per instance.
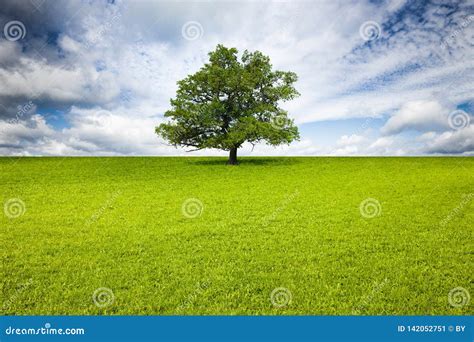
(230, 101)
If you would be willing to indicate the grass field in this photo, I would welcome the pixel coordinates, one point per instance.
(334, 236)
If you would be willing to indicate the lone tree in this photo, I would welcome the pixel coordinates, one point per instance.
(229, 102)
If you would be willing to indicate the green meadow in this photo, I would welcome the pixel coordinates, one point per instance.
(271, 236)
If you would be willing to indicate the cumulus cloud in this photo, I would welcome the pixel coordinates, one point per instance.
(102, 131)
(418, 115)
(17, 134)
(453, 142)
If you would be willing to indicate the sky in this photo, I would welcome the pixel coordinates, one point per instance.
(376, 78)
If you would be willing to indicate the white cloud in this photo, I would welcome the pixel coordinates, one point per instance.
(9, 52)
(346, 151)
(382, 143)
(460, 141)
(33, 78)
(33, 128)
(100, 131)
(418, 115)
(350, 139)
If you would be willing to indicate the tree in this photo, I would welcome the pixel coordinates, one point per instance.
(229, 102)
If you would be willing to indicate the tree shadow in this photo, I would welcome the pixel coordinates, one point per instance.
(247, 161)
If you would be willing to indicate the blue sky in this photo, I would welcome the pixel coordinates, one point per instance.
(375, 77)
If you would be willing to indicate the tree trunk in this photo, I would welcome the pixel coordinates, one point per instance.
(232, 156)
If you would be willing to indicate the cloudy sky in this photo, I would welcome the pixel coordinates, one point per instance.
(376, 78)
